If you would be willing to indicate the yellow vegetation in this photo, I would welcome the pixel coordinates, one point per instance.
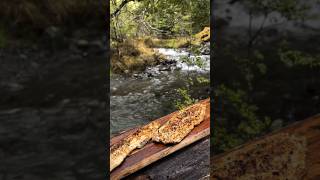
(133, 55)
(203, 36)
(179, 42)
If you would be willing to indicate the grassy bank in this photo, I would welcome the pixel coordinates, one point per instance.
(180, 42)
(135, 54)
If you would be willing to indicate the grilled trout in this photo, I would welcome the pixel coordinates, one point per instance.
(119, 151)
(180, 125)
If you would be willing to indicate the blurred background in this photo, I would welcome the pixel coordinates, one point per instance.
(53, 86)
(266, 67)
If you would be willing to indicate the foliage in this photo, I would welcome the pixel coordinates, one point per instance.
(253, 63)
(251, 67)
(200, 15)
(184, 95)
(159, 18)
(290, 9)
(240, 107)
(297, 58)
(165, 23)
(203, 80)
(239, 120)
(185, 98)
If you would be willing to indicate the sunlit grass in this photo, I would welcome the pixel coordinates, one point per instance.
(133, 55)
(179, 42)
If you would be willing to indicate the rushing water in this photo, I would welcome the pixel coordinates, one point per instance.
(177, 54)
(140, 98)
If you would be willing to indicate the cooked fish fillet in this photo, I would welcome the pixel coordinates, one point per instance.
(121, 150)
(180, 125)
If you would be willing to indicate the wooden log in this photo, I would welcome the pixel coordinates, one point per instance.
(154, 151)
(189, 163)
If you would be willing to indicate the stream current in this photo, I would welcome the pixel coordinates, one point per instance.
(148, 95)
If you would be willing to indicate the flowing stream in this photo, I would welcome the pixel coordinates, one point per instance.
(145, 96)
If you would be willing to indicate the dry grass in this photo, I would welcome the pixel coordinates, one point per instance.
(179, 42)
(133, 55)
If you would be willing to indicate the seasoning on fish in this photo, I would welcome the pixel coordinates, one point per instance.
(180, 125)
(119, 151)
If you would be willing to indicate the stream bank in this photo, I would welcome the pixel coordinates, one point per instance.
(135, 54)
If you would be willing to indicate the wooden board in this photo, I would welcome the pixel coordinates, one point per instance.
(155, 151)
(304, 139)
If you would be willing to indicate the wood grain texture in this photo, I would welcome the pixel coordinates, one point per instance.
(189, 163)
(296, 149)
(155, 151)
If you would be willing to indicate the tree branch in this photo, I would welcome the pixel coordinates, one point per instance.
(123, 3)
(253, 37)
(260, 29)
(149, 27)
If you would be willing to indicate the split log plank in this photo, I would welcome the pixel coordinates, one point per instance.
(154, 151)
